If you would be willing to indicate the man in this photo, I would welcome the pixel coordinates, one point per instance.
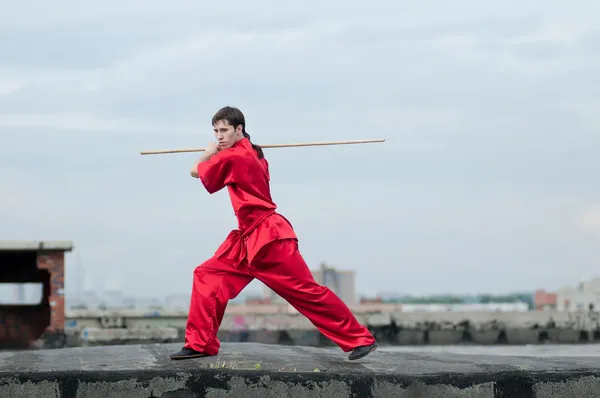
(264, 246)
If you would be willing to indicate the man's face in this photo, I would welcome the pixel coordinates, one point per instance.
(226, 135)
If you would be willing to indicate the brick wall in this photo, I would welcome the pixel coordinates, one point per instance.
(55, 264)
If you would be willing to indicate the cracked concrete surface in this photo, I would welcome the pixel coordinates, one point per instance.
(256, 370)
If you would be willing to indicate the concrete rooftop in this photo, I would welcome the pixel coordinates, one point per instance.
(255, 370)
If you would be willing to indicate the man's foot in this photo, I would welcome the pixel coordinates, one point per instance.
(362, 351)
(187, 353)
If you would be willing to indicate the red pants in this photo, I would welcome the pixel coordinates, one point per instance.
(280, 266)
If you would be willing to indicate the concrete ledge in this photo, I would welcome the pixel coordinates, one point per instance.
(51, 245)
(255, 370)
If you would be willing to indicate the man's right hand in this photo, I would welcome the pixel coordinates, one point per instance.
(211, 149)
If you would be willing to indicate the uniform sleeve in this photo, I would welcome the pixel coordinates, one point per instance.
(217, 172)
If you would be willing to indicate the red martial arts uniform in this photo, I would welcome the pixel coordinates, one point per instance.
(264, 247)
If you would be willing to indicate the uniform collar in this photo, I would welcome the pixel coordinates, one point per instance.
(243, 143)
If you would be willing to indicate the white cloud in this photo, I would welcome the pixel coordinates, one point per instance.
(588, 117)
(8, 86)
(591, 218)
(71, 121)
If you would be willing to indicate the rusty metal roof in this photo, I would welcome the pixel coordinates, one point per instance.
(59, 245)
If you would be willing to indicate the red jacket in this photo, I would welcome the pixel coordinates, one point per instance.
(247, 179)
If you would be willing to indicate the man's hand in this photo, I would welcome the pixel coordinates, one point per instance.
(211, 150)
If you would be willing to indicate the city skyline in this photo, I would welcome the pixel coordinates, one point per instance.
(95, 294)
(585, 295)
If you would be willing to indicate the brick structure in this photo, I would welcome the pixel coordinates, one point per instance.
(34, 324)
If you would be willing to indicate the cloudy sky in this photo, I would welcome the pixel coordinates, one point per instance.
(488, 180)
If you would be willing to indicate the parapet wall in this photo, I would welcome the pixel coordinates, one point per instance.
(253, 370)
(396, 328)
(279, 319)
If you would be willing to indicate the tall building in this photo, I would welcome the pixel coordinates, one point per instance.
(341, 282)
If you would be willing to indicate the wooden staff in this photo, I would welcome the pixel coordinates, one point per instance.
(267, 146)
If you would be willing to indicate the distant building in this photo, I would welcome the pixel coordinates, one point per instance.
(371, 300)
(544, 300)
(476, 307)
(341, 282)
(584, 297)
(258, 301)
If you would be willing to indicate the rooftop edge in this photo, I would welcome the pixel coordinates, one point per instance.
(37, 245)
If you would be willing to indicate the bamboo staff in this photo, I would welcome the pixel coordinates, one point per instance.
(159, 152)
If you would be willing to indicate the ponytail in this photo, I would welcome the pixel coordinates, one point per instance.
(258, 149)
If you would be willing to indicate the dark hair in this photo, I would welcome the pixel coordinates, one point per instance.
(236, 118)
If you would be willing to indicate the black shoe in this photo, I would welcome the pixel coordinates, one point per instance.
(187, 353)
(362, 351)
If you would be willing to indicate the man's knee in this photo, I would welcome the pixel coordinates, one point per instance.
(207, 277)
(212, 265)
(200, 269)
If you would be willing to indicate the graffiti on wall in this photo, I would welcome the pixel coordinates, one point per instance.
(265, 322)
